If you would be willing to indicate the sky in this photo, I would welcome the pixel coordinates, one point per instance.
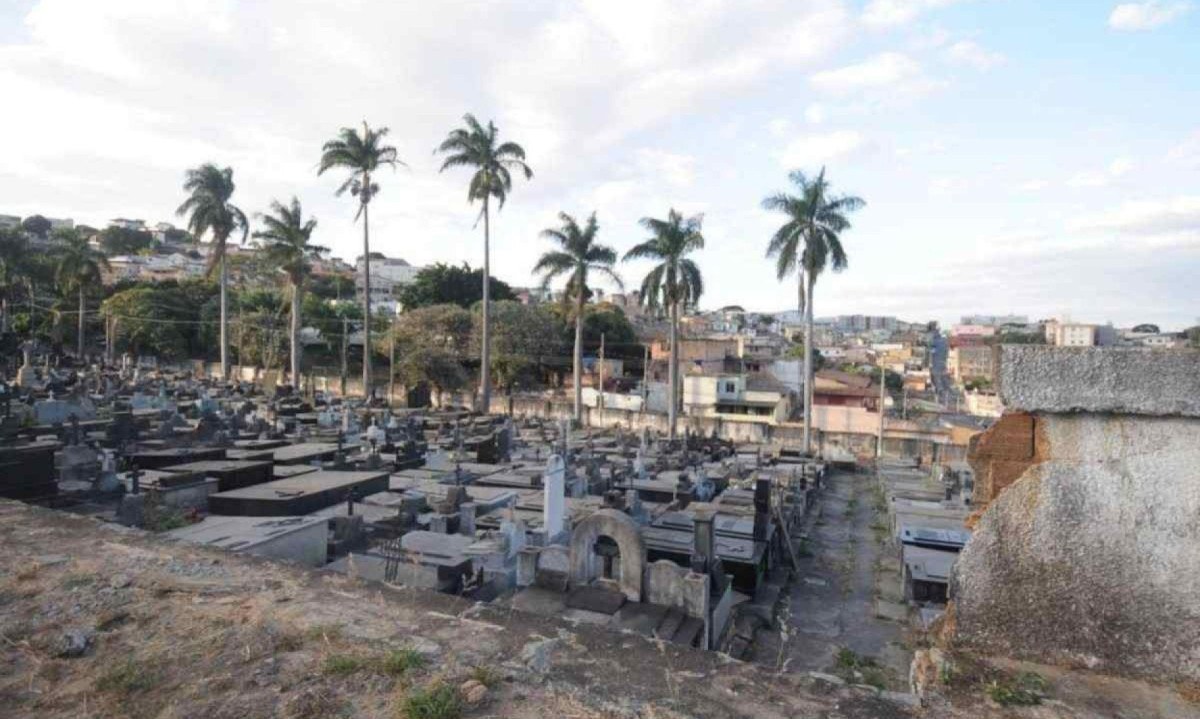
(1015, 156)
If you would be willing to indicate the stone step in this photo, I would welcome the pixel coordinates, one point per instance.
(670, 624)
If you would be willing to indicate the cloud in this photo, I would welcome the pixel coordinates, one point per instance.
(1033, 185)
(1187, 153)
(815, 113)
(966, 52)
(890, 13)
(1099, 178)
(1156, 222)
(813, 150)
(677, 170)
(887, 75)
(1146, 15)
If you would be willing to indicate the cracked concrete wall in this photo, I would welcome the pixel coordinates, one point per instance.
(1087, 551)
(1092, 557)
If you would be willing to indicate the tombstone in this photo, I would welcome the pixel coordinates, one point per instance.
(27, 375)
(762, 508)
(554, 500)
(466, 519)
(639, 465)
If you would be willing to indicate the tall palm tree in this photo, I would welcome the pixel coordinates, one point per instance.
(77, 267)
(209, 209)
(286, 234)
(580, 255)
(13, 249)
(674, 283)
(476, 146)
(362, 155)
(808, 242)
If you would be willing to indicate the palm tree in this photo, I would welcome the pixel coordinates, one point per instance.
(208, 209)
(361, 155)
(13, 249)
(674, 282)
(78, 266)
(806, 243)
(287, 236)
(579, 256)
(475, 146)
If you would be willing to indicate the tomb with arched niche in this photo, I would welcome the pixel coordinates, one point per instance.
(607, 545)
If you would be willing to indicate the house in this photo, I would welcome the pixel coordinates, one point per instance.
(1069, 334)
(388, 275)
(128, 224)
(977, 362)
(698, 354)
(833, 388)
(758, 397)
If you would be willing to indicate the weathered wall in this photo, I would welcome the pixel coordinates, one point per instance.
(1090, 554)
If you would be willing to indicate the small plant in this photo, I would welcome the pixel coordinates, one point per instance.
(74, 581)
(1026, 689)
(856, 668)
(486, 676)
(127, 677)
(400, 661)
(437, 700)
(323, 632)
(344, 664)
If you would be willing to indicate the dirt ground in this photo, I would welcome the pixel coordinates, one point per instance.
(97, 621)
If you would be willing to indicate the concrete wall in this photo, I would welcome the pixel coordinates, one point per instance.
(1088, 552)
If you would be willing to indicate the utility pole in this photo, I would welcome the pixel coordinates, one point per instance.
(392, 366)
(600, 397)
(645, 376)
(345, 348)
(882, 394)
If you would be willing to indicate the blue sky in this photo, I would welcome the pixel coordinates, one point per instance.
(1016, 156)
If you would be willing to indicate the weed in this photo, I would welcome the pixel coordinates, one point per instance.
(74, 581)
(1025, 689)
(324, 632)
(128, 677)
(853, 667)
(162, 519)
(486, 676)
(29, 572)
(400, 661)
(437, 700)
(344, 664)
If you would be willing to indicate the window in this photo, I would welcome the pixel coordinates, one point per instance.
(729, 387)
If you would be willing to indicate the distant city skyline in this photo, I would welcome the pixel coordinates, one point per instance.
(1016, 157)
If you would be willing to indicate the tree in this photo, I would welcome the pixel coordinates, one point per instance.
(674, 282)
(450, 284)
(806, 243)
(36, 225)
(579, 256)
(432, 343)
(526, 341)
(124, 241)
(78, 267)
(13, 251)
(209, 210)
(361, 155)
(476, 147)
(287, 236)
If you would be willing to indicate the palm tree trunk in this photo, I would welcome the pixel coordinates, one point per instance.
(366, 296)
(296, 335)
(80, 333)
(579, 355)
(808, 366)
(485, 379)
(4, 316)
(224, 320)
(673, 373)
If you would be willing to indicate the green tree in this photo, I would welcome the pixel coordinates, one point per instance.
(209, 209)
(287, 234)
(673, 283)
(124, 241)
(36, 225)
(361, 155)
(578, 256)
(78, 267)
(13, 251)
(526, 341)
(476, 147)
(433, 343)
(450, 284)
(154, 319)
(807, 242)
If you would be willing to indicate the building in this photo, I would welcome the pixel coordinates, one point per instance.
(972, 331)
(758, 397)
(995, 320)
(128, 224)
(1163, 340)
(388, 275)
(972, 362)
(9, 222)
(1070, 334)
(533, 295)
